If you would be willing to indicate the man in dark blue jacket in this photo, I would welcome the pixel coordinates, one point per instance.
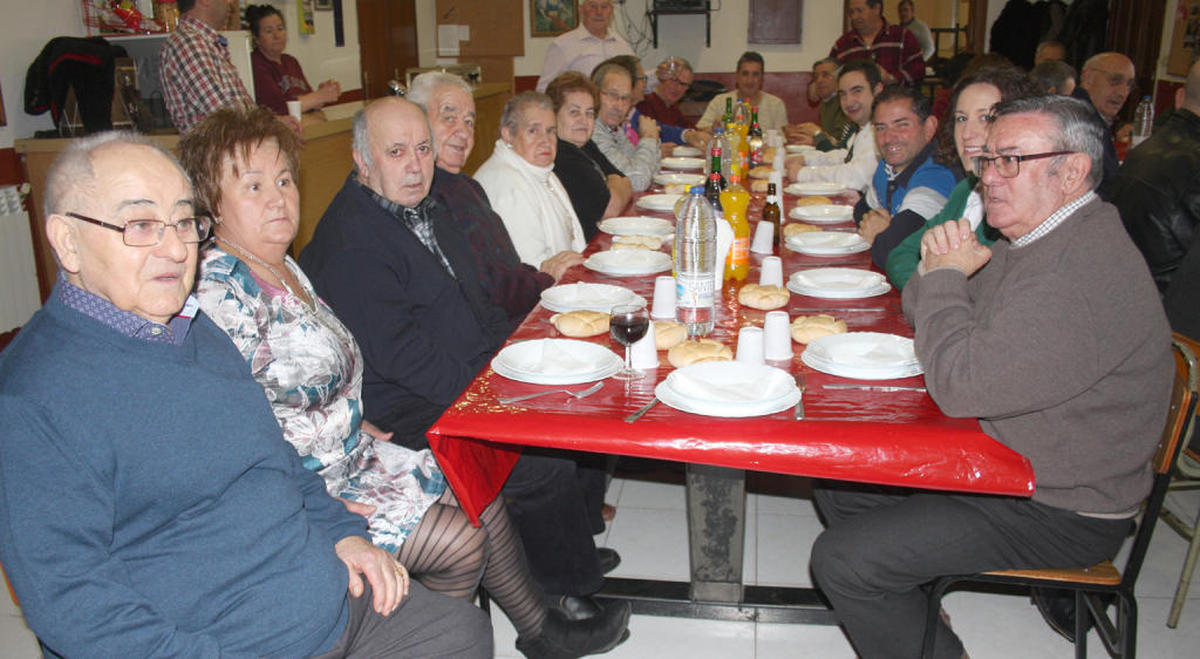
(401, 275)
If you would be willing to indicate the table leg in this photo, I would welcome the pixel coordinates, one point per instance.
(716, 509)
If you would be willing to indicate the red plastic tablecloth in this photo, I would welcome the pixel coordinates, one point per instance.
(889, 438)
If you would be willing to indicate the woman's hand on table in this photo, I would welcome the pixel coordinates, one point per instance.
(389, 580)
(697, 138)
(620, 192)
(556, 266)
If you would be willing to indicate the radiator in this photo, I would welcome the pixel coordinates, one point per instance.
(18, 276)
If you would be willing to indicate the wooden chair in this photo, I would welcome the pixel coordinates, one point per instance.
(1187, 477)
(1092, 583)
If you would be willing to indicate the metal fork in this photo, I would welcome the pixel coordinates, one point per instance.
(799, 413)
(578, 394)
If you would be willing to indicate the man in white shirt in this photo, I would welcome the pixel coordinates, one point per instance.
(585, 47)
(853, 166)
(771, 112)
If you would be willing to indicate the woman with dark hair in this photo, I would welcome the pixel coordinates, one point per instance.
(961, 140)
(598, 190)
(278, 78)
(243, 166)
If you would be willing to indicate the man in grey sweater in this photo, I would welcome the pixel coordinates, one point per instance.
(1055, 340)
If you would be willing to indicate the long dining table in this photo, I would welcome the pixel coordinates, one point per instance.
(850, 432)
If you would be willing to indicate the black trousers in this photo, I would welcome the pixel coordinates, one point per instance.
(548, 502)
(881, 546)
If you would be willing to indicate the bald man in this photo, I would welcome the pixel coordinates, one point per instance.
(1105, 83)
(1157, 190)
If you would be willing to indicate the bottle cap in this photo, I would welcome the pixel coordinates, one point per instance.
(696, 189)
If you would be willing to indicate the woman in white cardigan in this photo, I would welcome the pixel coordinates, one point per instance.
(520, 182)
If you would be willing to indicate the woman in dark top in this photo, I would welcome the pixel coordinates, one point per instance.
(278, 78)
(597, 189)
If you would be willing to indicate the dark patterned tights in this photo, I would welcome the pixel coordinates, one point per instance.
(447, 555)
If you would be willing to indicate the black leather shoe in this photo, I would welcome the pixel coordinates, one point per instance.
(609, 559)
(574, 608)
(1057, 607)
(563, 639)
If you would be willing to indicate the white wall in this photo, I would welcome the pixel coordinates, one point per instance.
(682, 36)
(26, 27)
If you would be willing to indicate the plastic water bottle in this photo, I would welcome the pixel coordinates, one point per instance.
(1143, 121)
(695, 263)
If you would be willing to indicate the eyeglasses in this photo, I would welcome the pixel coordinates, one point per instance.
(1009, 166)
(1115, 79)
(623, 98)
(148, 233)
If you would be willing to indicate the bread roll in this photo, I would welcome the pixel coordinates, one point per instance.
(637, 241)
(762, 171)
(769, 154)
(668, 334)
(759, 185)
(793, 228)
(806, 329)
(814, 200)
(580, 323)
(763, 297)
(676, 188)
(704, 350)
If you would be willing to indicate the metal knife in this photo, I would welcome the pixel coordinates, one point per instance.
(873, 387)
(799, 411)
(645, 408)
(843, 309)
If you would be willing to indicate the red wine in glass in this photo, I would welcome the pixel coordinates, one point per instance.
(627, 324)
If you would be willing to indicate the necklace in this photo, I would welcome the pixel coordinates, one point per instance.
(242, 251)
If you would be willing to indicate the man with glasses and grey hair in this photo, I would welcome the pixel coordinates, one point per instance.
(1105, 83)
(1055, 340)
(149, 505)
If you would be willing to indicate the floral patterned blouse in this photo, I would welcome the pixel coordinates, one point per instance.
(311, 369)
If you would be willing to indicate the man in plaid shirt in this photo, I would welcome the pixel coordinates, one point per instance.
(196, 73)
(892, 47)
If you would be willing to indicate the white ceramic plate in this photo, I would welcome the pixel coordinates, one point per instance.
(556, 361)
(628, 262)
(838, 283)
(863, 355)
(827, 243)
(667, 178)
(585, 295)
(800, 148)
(687, 152)
(728, 389)
(823, 213)
(630, 226)
(658, 202)
(675, 162)
(814, 188)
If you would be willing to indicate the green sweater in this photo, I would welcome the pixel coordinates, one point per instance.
(902, 262)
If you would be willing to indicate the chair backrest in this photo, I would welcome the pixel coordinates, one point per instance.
(1179, 415)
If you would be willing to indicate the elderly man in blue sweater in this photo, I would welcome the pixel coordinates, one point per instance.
(149, 505)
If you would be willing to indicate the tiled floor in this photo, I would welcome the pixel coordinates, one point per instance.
(650, 533)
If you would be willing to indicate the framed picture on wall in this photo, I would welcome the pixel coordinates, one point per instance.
(1185, 44)
(550, 18)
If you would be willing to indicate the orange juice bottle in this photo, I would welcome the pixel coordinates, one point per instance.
(734, 200)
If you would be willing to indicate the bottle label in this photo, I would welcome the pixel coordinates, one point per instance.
(739, 253)
(694, 291)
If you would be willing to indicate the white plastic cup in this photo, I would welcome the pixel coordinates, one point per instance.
(771, 272)
(643, 354)
(664, 298)
(750, 345)
(764, 238)
(777, 336)
(294, 109)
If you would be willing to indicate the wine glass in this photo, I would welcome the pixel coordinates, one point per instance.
(627, 324)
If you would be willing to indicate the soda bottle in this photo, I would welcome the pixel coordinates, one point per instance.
(772, 214)
(716, 182)
(1143, 121)
(728, 118)
(734, 201)
(694, 259)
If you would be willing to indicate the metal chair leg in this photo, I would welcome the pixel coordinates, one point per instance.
(932, 614)
(1185, 576)
(1128, 622)
(1082, 612)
